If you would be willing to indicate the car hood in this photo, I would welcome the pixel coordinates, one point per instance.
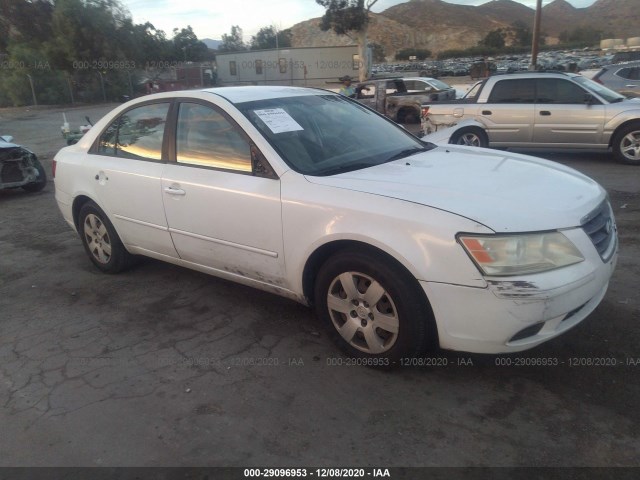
(503, 191)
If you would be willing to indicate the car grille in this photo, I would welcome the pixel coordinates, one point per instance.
(601, 228)
(10, 172)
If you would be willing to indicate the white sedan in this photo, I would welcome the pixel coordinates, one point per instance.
(400, 245)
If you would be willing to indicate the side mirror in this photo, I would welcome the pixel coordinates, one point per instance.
(588, 99)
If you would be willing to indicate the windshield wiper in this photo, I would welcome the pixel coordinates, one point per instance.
(407, 153)
(345, 168)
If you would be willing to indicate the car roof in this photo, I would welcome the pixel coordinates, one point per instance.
(632, 63)
(251, 93)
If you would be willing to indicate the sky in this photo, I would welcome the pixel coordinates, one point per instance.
(212, 18)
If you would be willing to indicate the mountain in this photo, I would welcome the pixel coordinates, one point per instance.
(213, 44)
(437, 25)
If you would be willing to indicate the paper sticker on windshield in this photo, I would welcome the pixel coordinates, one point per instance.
(278, 120)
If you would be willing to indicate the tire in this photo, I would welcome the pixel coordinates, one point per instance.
(38, 184)
(408, 115)
(398, 325)
(100, 240)
(626, 144)
(473, 137)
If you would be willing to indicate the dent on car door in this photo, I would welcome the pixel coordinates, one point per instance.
(126, 164)
(222, 215)
(508, 113)
(565, 114)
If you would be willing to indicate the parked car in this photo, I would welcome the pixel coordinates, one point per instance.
(540, 110)
(399, 244)
(624, 78)
(394, 98)
(19, 167)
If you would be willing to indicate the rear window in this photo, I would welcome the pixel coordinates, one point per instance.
(513, 91)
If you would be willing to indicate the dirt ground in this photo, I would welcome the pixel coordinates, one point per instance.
(163, 366)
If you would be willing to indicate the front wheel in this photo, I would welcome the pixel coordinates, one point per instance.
(472, 137)
(373, 307)
(626, 145)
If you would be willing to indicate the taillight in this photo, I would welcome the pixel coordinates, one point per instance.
(53, 168)
(425, 111)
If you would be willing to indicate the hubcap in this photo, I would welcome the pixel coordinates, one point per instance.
(363, 312)
(630, 146)
(470, 139)
(97, 238)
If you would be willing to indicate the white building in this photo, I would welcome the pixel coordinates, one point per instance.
(307, 66)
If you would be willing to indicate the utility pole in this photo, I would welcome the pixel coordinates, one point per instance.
(536, 36)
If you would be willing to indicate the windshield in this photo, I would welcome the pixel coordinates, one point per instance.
(328, 134)
(474, 90)
(440, 85)
(609, 95)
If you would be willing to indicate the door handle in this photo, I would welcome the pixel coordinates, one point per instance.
(545, 113)
(631, 86)
(100, 176)
(174, 191)
(486, 112)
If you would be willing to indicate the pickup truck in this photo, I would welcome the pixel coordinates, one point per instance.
(397, 99)
(538, 110)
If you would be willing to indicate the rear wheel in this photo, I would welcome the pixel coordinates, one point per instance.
(626, 144)
(373, 308)
(473, 137)
(100, 240)
(408, 115)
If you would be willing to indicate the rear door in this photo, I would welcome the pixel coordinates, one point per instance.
(508, 113)
(564, 117)
(126, 164)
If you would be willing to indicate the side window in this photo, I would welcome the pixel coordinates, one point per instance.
(107, 142)
(513, 91)
(204, 137)
(557, 90)
(413, 86)
(136, 134)
(629, 73)
(366, 91)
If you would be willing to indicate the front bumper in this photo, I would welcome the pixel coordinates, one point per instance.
(515, 314)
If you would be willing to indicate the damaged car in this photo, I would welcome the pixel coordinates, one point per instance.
(400, 245)
(19, 167)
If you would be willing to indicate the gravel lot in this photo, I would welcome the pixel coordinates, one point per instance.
(163, 366)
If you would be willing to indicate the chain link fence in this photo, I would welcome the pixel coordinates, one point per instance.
(22, 84)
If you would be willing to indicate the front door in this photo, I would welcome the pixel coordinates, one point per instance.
(564, 117)
(220, 214)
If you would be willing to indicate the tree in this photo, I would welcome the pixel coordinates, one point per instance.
(187, 46)
(232, 42)
(582, 36)
(266, 38)
(494, 39)
(350, 16)
(378, 53)
(522, 34)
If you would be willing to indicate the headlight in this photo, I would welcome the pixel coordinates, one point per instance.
(520, 254)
